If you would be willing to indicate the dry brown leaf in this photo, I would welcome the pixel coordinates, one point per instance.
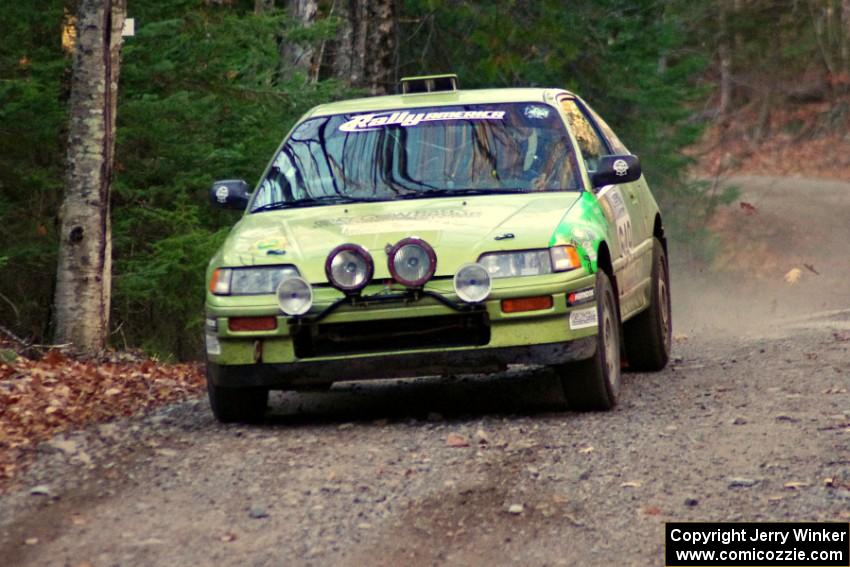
(793, 276)
(748, 208)
(456, 440)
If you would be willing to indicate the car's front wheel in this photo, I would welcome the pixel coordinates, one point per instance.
(240, 405)
(594, 384)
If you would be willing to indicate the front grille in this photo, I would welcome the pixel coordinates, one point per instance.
(335, 339)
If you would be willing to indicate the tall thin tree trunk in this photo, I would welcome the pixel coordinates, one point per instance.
(342, 59)
(84, 274)
(822, 40)
(382, 47)
(366, 46)
(845, 35)
(296, 56)
(725, 53)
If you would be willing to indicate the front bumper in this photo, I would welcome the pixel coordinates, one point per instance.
(491, 340)
(304, 374)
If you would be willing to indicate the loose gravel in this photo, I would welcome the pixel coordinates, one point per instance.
(754, 430)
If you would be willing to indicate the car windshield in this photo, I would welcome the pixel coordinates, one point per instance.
(421, 152)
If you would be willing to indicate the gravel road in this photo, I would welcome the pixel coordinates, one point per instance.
(751, 421)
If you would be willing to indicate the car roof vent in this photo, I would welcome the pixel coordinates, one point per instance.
(429, 84)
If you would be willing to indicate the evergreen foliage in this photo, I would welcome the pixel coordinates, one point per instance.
(34, 83)
(202, 98)
(200, 101)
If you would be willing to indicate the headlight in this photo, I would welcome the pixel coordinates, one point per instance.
(530, 262)
(513, 264)
(472, 283)
(412, 262)
(349, 267)
(295, 296)
(249, 281)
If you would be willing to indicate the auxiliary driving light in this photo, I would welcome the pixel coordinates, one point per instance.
(295, 296)
(349, 267)
(472, 283)
(412, 262)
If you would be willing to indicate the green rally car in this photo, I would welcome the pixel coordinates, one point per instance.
(439, 231)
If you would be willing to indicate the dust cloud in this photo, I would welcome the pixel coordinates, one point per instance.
(783, 262)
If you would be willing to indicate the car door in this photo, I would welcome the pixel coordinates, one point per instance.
(623, 205)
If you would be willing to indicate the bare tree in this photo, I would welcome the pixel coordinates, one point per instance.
(83, 281)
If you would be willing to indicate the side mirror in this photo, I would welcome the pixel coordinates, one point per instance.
(230, 194)
(613, 170)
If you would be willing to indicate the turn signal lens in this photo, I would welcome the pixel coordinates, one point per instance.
(252, 323)
(564, 258)
(220, 281)
(527, 304)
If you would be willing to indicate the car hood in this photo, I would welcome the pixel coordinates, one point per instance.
(459, 228)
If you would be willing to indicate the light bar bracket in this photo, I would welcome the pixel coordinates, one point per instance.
(429, 84)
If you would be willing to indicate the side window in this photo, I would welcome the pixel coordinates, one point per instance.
(613, 141)
(591, 145)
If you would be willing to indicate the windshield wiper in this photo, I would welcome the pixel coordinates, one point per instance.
(311, 202)
(459, 192)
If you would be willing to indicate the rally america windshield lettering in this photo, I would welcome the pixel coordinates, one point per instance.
(374, 121)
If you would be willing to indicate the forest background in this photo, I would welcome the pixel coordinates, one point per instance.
(208, 88)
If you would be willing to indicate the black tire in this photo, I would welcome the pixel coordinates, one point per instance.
(594, 384)
(237, 405)
(648, 336)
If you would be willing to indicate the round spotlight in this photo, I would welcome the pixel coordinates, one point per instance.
(412, 262)
(472, 283)
(295, 296)
(349, 267)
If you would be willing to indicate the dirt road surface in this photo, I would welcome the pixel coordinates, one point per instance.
(750, 422)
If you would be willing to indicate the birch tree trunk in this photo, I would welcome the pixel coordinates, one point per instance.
(365, 51)
(84, 274)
